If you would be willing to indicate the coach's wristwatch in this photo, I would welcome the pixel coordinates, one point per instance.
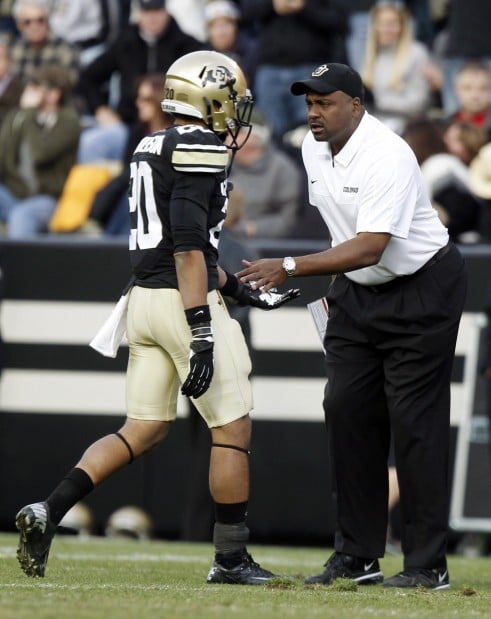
(289, 265)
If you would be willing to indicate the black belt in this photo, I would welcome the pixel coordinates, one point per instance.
(403, 278)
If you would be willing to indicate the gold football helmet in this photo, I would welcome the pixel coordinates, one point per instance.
(130, 521)
(212, 87)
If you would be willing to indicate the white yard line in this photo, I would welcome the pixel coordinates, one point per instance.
(137, 557)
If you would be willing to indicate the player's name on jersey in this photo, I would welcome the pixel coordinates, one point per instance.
(152, 144)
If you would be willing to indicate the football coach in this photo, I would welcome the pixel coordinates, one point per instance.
(395, 303)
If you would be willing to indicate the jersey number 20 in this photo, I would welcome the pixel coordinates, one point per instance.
(148, 232)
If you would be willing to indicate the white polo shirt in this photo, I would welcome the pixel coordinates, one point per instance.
(374, 184)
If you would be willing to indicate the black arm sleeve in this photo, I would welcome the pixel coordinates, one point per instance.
(189, 209)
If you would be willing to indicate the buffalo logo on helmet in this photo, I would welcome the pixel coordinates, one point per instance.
(219, 75)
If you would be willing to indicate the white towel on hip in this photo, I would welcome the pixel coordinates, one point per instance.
(109, 337)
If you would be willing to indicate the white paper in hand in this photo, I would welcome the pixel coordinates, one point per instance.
(109, 337)
(319, 310)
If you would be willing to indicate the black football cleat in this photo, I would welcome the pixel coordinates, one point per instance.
(436, 579)
(36, 534)
(247, 572)
(357, 569)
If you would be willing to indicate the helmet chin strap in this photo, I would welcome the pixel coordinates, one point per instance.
(235, 146)
(232, 157)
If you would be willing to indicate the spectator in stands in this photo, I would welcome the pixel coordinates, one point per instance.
(89, 25)
(147, 46)
(447, 181)
(7, 22)
(395, 65)
(225, 35)
(110, 211)
(464, 140)
(190, 15)
(359, 20)
(465, 38)
(37, 45)
(10, 84)
(270, 183)
(480, 184)
(233, 248)
(294, 37)
(472, 88)
(38, 146)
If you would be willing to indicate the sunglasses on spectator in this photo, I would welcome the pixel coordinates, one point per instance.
(34, 20)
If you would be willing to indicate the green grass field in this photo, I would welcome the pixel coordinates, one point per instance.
(120, 579)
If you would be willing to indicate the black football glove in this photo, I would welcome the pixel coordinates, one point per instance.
(244, 294)
(201, 352)
(264, 300)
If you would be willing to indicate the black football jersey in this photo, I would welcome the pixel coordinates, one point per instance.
(178, 201)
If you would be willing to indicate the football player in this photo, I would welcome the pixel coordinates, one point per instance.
(178, 328)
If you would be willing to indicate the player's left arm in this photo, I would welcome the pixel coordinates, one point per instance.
(188, 214)
(192, 277)
(192, 193)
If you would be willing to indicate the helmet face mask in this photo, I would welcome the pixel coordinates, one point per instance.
(211, 87)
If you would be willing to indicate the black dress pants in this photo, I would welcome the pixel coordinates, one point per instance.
(389, 357)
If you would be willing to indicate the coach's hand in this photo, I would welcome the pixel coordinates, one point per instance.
(264, 274)
(201, 352)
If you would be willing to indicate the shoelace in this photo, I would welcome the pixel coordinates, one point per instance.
(251, 561)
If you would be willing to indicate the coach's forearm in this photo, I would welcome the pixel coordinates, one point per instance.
(362, 251)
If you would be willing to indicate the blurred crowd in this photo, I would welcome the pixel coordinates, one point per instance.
(81, 83)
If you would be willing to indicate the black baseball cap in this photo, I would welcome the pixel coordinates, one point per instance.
(330, 77)
(148, 5)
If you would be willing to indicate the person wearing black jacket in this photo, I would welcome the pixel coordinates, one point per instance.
(294, 37)
(466, 39)
(151, 44)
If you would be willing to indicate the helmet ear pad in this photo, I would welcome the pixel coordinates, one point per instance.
(216, 117)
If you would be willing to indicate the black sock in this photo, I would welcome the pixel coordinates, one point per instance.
(72, 488)
(230, 513)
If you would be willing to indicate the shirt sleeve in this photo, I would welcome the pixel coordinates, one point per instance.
(390, 195)
(198, 151)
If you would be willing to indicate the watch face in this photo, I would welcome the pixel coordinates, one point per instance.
(289, 265)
